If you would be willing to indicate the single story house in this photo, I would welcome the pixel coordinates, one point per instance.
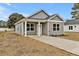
(40, 23)
(4, 26)
(3, 29)
(71, 26)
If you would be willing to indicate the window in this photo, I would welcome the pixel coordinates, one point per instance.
(70, 27)
(30, 27)
(55, 27)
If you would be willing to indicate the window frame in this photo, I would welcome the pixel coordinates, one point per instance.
(29, 27)
(70, 27)
(56, 27)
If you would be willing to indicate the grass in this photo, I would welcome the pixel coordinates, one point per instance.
(71, 36)
(12, 44)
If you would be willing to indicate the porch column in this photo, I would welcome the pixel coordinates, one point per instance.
(22, 29)
(48, 28)
(38, 31)
(25, 28)
(19, 29)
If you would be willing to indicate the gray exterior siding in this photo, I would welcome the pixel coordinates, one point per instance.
(43, 24)
(18, 28)
(40, 15)
(60, 32)
(56, 18)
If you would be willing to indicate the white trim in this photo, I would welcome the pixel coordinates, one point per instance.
(25, 29)
(38, 27)
(22, 28)
(56, 27)
(34, 27)
(34, 20)
(41, 33)
(22, 20)
(55, 16)
(29, 20)
(47, 28)
(54, 21)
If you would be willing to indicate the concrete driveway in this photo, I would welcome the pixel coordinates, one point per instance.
(65, 44)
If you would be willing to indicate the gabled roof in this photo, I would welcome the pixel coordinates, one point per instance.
(70, 22)
(42, 15)
(55, 15)
(39, 15)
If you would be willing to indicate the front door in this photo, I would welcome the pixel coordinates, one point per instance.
(39, 31)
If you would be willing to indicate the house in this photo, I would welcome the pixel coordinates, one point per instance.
(40, 23)
(71, 26)
(6, 29)
(3, 23)
(4, 26)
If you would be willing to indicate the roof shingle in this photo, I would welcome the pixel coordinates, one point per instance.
(68, 22)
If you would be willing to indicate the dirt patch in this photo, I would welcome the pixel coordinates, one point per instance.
(15, 45)
(71, 36)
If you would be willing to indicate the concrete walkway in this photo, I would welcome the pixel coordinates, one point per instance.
(67, 45)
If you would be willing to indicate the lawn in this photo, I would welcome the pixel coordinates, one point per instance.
(71, 36)
(12, 44)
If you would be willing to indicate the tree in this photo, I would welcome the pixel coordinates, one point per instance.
(13, 18)
(75, 11)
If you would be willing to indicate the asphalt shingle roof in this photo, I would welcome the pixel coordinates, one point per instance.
(44, 17)
(68, 22)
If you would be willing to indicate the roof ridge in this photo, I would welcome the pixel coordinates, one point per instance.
(38, 13)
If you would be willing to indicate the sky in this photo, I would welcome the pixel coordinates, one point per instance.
(26, 9)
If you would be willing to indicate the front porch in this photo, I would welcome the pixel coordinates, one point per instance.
(32, 28)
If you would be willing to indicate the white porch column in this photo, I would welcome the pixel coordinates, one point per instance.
(16, 28)
(38, 31)
(48, 28)
(22, 29)
(25, 28)
(19, 28)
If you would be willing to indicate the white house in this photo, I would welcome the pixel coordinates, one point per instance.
(71, 26)
(40, 23)
(6, 29)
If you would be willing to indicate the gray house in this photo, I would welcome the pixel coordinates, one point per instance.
(71, 25)
(40, 23)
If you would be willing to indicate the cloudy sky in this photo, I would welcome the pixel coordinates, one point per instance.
(63, 9)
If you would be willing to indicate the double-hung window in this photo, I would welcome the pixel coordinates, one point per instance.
(70, 27)
(30, 27)
(55, 27)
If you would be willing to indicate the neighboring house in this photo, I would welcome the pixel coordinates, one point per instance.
(71, 26)
(39, 24)
(3, 24)
(4, 27)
